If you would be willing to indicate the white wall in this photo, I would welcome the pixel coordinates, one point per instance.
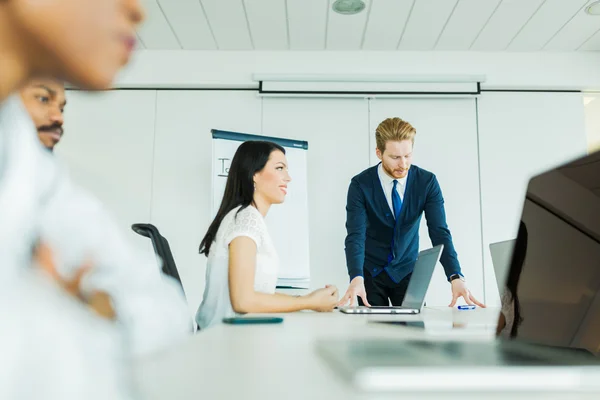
(108, 145)
(592, 120)
(520, 135)
(147, 155)
(504, 70)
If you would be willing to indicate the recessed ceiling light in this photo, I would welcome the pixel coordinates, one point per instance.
(348, 7)
(593, 9)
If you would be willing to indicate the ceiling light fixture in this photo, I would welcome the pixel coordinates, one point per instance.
(348, 7)
(593, 9)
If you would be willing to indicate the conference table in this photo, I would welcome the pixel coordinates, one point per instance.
(280, 361)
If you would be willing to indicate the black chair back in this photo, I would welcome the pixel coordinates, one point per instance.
(161, 248)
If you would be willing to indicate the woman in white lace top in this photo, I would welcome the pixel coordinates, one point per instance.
(242, 265)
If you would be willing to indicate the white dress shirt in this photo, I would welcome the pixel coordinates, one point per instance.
(21, 186)
(54, 348)
(38, 201)
(387, 183)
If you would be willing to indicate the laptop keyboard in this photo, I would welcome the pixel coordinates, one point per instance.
(474, 353)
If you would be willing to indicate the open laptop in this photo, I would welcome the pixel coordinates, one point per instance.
(501, 256)
(554, 274)
(416, 290)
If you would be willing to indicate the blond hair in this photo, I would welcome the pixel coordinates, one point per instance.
(393, 129)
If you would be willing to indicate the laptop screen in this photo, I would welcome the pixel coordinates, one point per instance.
(421, 277)
(501, 257)
(553, 286)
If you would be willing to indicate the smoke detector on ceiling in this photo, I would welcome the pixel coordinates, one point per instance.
(348, 7)
(593, 9)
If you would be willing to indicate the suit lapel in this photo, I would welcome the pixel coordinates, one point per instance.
(379, 197)
(407, 194)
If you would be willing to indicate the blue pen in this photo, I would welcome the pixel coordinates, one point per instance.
(467, 307)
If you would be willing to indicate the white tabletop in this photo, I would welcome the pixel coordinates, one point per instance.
(280, 362)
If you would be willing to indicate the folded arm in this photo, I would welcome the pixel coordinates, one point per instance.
(149, 305)
(244, 299)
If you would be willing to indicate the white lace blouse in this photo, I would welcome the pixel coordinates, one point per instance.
(216, 303)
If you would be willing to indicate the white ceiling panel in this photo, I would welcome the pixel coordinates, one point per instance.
(307, 21)
(386, 24)
(268, 24)
(189, 24)
(593, 44)
(345, 32)
(576, 32)
(229, 24)
(468, 19)
(549, 20)
(427, 20)
(155, 32)
(505, 24)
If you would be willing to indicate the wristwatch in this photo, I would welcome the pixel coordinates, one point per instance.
(456, 276)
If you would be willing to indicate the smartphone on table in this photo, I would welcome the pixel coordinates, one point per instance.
(252, 320)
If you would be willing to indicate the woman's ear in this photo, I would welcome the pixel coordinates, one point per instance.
(255, 178)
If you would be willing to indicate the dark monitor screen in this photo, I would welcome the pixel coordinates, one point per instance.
(554, 277)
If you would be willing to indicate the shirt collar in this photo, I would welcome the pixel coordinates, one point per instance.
(388, 180)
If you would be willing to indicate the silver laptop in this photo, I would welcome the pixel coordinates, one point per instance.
(501, 255)
(416, 290)
(553, 343)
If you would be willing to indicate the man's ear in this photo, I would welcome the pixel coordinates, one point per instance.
(378, 153)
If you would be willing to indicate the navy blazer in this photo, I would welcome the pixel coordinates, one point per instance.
(370, 225)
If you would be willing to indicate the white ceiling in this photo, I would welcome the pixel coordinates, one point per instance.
(479, 25)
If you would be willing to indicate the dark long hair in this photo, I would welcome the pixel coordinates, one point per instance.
(250, 158)
(514, 274)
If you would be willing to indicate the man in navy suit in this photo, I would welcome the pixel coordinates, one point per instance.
(383, 213)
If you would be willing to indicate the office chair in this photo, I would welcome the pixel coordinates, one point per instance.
(161, 248)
